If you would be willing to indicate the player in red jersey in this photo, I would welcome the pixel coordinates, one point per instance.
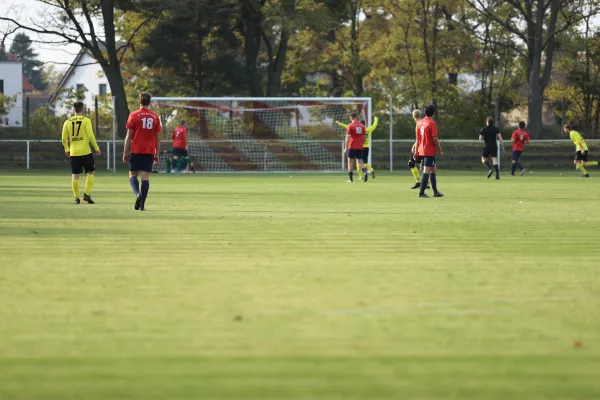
(180, 148)
(143, 141)
(519, 138)
(427, 144)
(353, 147)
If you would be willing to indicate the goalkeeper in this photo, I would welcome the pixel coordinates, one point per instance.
(366, 146)
(172, 162)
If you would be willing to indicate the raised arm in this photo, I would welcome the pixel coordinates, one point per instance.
(374, 126)
(345, 126)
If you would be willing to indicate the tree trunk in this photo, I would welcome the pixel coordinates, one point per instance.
(251, 30)
(537, 92)
(277, 66)
(115, 80)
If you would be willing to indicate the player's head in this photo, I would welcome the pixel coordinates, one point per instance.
(521, 124)
(567, 128)
(416, 114)
(490, 121)
(78, 107)
(429, 110)
(353, 117)
(145, 99)
(182, 122)
(362, 121)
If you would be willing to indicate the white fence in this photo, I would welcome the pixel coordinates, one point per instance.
(384, 151)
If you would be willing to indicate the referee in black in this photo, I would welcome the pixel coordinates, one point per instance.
(490, 134)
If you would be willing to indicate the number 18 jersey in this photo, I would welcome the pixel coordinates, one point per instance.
(145, 124)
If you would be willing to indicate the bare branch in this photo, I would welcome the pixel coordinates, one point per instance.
(482, 9)
(133, 35)
(69, 39)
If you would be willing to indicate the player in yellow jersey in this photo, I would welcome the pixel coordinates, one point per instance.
(77, 135)
(581, 148)
(366, 146)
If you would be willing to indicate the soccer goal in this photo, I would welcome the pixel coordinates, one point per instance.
(262, 134)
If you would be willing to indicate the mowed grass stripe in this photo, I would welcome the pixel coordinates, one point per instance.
(259, 287)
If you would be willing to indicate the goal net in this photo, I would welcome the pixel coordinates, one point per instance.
(261, 134)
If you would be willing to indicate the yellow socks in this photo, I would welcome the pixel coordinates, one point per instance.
(360, 173)
(415, 172)
(75, 187)
(368, 167)
(582, 169)
(591, 164)
(89, 183)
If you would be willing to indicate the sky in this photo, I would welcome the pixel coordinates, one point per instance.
(24, 10)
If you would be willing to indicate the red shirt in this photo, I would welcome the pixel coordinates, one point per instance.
(426, 131)
(519, 138)
(356, 130)
(180, 137)
(145, 124)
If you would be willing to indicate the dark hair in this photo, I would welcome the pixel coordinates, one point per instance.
(353, 115)
(490, 121)
(522, 124)
(362, 121)
(430, 110)
(145, 98)
(568, 126)
(183, 122)
(78, 106)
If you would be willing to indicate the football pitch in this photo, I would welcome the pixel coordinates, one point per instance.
(302, 287)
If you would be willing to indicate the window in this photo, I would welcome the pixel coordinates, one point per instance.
(80, 91)
(2, 86)
(102, 89)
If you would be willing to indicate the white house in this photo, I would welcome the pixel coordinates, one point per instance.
(84, 74)
(11, 84)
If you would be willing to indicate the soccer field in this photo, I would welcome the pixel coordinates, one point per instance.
(303, 287)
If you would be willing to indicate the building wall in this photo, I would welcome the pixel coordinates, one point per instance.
(90, 76)
(11, 72)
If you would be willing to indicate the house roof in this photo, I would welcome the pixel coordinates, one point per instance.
(66, 76)
(27, 85)
(72, 67)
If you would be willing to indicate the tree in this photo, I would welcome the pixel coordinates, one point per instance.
(21, 48)
(74, 22)
(536, 24)
(6, 105)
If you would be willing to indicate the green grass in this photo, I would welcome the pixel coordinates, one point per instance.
(271, 287)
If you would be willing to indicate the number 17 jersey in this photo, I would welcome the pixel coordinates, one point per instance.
(145, 124)
(77, 135)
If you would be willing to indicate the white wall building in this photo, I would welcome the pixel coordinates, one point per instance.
(11, 84)
(83, 74)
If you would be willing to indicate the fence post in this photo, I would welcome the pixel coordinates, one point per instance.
(114, 135)
(108, 155)
(27, 117)
(97, 117)
(391, 135)
(343, 157)
(27, 154)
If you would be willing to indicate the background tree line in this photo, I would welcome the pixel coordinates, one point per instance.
(465, 56)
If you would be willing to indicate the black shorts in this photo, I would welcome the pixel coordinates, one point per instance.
(141, 162)
(489, 152)
(78, 163)
(516, 154)
(365, 155)
(429, 161)
(356, 154)
(180, 152)
(579, 156)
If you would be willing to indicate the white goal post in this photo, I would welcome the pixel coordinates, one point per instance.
(261, 134)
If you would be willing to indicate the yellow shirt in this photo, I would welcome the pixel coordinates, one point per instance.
(577, 139)
(78, 131)
(368, 131)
